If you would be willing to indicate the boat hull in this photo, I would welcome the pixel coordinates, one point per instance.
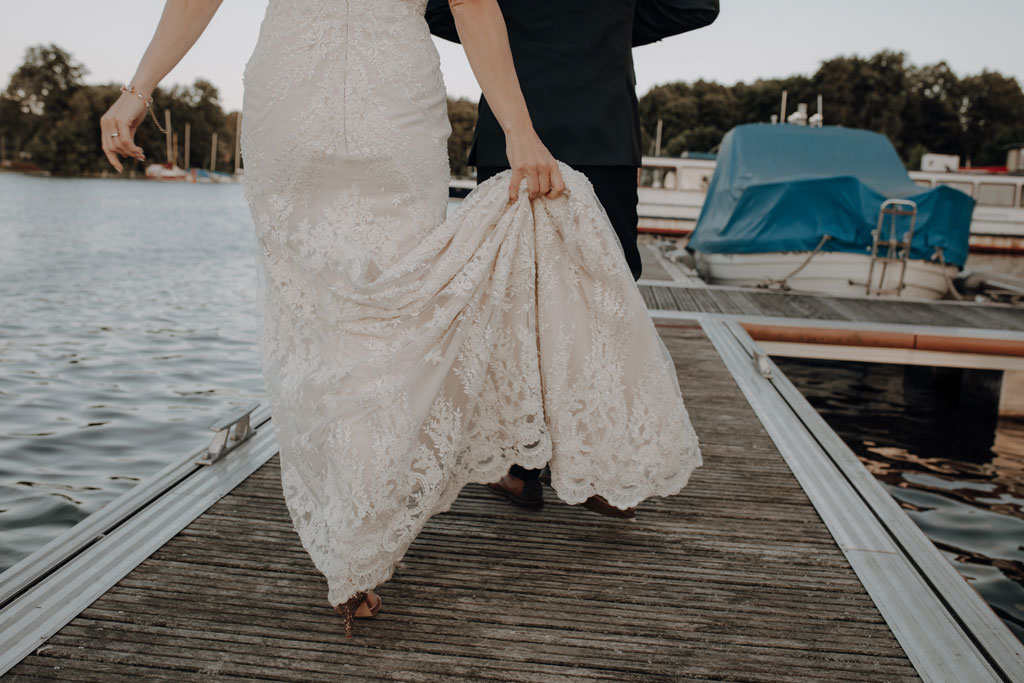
(830, 273)
(657, 223)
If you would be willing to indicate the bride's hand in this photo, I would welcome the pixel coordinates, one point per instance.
(530, 159)
(118, 126)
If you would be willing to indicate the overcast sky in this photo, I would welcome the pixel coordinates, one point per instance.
(751, 39)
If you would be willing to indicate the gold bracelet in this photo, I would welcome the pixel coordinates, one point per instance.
(130, 89)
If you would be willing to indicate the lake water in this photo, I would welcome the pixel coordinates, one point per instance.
(127, 326)
(957, 472)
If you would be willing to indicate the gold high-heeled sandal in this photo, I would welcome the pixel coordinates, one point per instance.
(349, 610)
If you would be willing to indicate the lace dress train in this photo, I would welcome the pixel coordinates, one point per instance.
(406, 354)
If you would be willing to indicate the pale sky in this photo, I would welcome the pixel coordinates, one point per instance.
(750, 39)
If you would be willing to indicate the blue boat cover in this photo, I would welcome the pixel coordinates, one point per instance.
(782, 187)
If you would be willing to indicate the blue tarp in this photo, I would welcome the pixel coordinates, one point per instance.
(781, 187)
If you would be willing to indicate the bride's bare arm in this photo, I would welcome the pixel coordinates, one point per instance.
(483, 34)
(181, 24)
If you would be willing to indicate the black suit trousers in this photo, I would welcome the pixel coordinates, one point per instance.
(615, 187)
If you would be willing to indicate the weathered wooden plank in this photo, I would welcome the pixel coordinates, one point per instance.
(755, 302)
(651, 263)
(472, 640)
(283, 615)
(737, 578)
(935, 641)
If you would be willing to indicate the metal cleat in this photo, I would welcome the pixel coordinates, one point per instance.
(225, 439)
(760, 359)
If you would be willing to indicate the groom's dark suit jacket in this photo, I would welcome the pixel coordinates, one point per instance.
(575, 65)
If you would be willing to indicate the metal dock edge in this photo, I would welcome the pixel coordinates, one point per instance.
(66, 575)
(946, 628)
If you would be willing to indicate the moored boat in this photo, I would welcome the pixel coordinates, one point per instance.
(166, 171)
(827, 210)
(673, 190)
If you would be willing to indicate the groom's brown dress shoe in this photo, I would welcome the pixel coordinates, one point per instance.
(596, 503)
(602, 507)
(531, 497)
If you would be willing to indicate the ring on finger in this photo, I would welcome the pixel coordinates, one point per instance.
(114, 135)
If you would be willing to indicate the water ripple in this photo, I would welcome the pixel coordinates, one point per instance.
(127, 326)
(957, 471)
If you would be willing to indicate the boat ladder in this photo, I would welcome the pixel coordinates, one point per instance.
(897, 251)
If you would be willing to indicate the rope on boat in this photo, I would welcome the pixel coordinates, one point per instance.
(950, 287)
(781, 283)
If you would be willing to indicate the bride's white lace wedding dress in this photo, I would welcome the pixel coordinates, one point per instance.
(404, 354)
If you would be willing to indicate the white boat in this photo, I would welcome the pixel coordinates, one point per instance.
(673, 189)
(458, 188)
(166, 171)
(998, 221)
(826, 210)
(833, 273)
(672, 192)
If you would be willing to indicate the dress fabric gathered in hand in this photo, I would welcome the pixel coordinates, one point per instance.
(406, 354)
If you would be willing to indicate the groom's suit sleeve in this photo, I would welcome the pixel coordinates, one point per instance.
(440, 19)
(657, 19)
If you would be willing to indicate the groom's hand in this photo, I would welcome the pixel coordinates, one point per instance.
(530, 159)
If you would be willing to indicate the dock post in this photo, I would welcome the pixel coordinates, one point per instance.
(167, 127)
(980, 392)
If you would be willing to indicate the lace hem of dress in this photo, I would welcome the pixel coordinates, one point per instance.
(342, 584)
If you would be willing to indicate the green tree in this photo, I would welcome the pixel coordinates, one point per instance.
(11, 128)
(74, 139)
(991, 115)
(41, 90)
(931, 120)
(676, 106)
(45, 81)
(921, 109)
(865, 93)
(50, 118)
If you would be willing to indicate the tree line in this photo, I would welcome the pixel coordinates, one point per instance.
(920, 108)
(49, 118)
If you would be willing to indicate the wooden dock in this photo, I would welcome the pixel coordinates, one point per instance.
(783, 560)
(666, 288)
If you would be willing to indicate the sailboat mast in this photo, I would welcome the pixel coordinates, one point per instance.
(167, 127)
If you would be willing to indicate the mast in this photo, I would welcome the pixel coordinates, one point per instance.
(188, 144)
(167, 126)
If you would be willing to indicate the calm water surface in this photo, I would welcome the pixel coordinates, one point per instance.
(957, 472)
(127, 325)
